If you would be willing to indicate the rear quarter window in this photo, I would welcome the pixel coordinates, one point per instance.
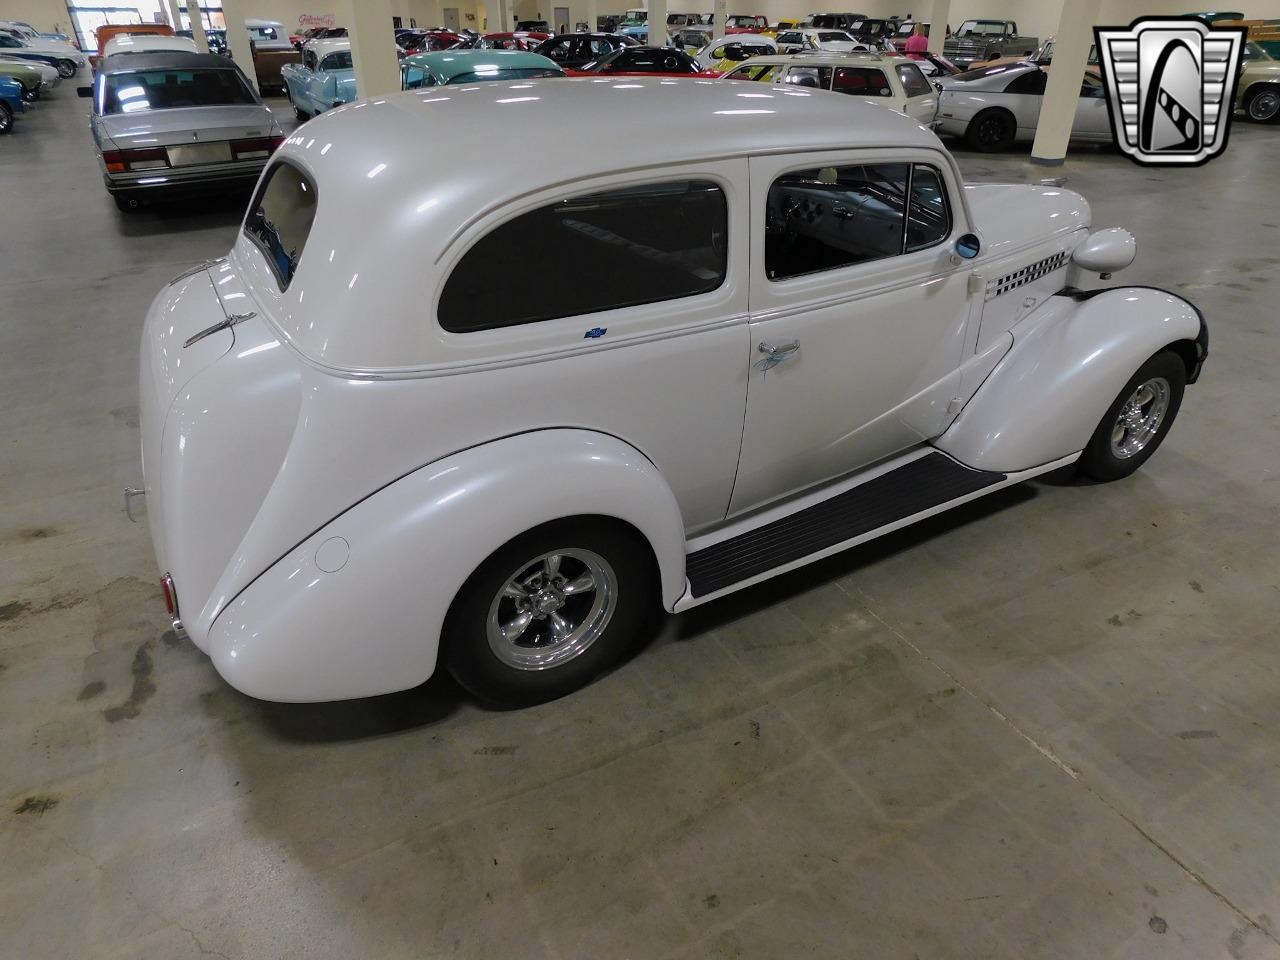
(619, 248)
(280, 218)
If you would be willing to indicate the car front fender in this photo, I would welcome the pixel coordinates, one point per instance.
(357, 608)
(1068, 361)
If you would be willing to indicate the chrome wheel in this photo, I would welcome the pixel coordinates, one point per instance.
(552, 609)
(1264, 106)
(1140, 418)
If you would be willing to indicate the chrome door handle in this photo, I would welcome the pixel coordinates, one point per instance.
(775, 355)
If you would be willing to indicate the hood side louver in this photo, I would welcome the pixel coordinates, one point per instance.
(1032, 271)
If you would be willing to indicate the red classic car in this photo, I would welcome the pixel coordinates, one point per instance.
(644, 62)
(745, 23)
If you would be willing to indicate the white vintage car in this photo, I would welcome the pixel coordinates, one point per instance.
(763, 333)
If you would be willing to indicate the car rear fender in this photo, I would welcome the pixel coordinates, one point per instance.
(1068, 361)
(357, 608)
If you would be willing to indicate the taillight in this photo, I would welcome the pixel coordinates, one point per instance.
(170, 596)
(254, 149)
(147, 158)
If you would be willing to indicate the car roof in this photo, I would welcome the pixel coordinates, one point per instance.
(399, 185)
(858, 57)
(176, 60)
(451, 63)
(328, 45)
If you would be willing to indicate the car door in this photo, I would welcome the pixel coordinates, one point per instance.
(1092, 121)
(858, 314)
(921, 101)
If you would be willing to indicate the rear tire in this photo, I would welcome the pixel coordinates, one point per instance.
(31, 95)
(66, 69)
(991, 131)
(1262, 103)
(1137, 421)
(550, 611)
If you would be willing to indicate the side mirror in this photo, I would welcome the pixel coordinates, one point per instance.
(84, 91)
(1106, 251)
(968, 246)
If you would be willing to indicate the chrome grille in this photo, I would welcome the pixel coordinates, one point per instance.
(1032, 271)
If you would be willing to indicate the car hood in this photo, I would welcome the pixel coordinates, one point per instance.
(53, 48)
(1014, 215)
(189, 125)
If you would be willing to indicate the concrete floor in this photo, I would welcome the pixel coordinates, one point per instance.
(1044, 726)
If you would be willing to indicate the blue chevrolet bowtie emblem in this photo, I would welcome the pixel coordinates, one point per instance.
(594, 333)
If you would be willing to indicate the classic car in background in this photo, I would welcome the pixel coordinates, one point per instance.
(895, 82)
(168, 123)
(31, 76)
(644, 62)
(980, 40)
(12, 103)
(745, 23)
(472, 66)
(906, 29)
(725, 53)
(1258, 90)
(63, 52)
(15, 48)
(498, 525)
(810, 39)
(425, 41)
(511, 41)
(323, 80)
(574, 50)
(996, 106)
(267, 34)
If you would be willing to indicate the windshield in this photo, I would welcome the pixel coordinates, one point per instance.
(981, 28)
(280, 218)
(506, 73)
(834, 37)
(171, 89)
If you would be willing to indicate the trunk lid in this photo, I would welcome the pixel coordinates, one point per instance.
(192, 134)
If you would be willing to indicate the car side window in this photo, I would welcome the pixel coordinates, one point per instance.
(862, 81)
(790, 38)
(830, 217)
(1090, 88)
(913, 81)
(309, 59)
(1032, 82)
(766, 73)
(280, 216)
(929, 215)
(819, 77)
(617, 248)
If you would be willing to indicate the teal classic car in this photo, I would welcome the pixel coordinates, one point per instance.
(323, 80)
(469, 66)
(11, 103)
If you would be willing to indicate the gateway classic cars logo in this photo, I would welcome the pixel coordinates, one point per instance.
(1171, 85)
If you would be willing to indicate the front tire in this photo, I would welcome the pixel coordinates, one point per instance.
(1135, 424)
(1262, 103)
(550, 611)
(30, 95)
(6, 119)
(66, 69)
(991, 131)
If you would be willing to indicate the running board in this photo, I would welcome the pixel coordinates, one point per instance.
(899, 493)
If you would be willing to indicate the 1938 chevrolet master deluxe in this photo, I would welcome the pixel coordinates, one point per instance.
(759, 338)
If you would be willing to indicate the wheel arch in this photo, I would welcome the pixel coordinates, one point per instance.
(1044, 399)
(358, 608)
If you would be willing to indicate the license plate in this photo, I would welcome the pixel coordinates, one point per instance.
(197, 153)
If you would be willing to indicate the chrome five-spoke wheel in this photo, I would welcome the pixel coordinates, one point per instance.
(1140, 418)
(552, 609)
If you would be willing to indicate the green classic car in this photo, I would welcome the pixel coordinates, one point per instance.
(469, 66)
(28, 75)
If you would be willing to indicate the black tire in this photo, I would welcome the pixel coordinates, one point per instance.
(6, 119)
(465, 644)
(991, 131)
(301, 114)
(1262, 103)
(30, 94)
(1100, 460)
(66, 69)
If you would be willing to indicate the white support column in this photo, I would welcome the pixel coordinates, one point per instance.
(197, 25)
(657, 23)
(719, 14)
(238, 39)
(175, 18)
(373, 47)
(591, 14)
(939, 12)
(1062, 95)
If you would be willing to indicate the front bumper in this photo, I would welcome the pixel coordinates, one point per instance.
(952, 126)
